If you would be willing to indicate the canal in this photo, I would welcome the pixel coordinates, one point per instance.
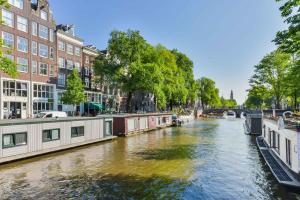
(203, 160)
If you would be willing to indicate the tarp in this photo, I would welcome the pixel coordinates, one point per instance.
(94, 106)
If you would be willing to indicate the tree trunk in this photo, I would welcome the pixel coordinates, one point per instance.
(128, 104)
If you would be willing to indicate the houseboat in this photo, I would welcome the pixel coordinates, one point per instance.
(280, 147)
(128, 124)
(253, 124)
(229, 114)
(20, 139)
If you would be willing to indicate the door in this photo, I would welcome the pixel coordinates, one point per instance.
(288, 152)
(15, 110)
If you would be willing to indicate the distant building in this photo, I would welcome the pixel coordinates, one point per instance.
(231, 95)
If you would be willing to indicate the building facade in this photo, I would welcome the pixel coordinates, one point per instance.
(45, 54)
(28, 35)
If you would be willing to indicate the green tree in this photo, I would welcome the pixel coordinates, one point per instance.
(74, 93)
(208, 93)
(6, 65)
(272, 73)
(258, 98)
(289, 40)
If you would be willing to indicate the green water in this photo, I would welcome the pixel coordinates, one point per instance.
(202, 160)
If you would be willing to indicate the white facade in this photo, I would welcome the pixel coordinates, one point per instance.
(284, 143)
(49, 135)
(23, 99)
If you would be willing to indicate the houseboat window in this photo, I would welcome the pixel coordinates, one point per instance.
(14, 139)
(77, 131)
(51, 135)
(278, 143)
(288, 152)
(108, 128)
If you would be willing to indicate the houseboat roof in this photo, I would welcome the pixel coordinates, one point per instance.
(126, 115)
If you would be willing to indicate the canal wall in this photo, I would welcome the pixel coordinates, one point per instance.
(21, 139)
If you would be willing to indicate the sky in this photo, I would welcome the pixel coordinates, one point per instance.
(224, 38)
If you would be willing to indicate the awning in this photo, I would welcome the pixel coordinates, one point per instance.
(94, 106)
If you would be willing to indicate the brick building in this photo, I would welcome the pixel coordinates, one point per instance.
(45, 54)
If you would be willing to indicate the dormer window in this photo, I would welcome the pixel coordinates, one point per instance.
(44, 15)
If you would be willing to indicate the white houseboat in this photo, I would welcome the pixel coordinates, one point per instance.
(280, 147)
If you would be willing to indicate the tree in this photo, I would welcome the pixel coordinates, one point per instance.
(74, 93)
(258, 97)
(208, 93)
(289, 40)
(272, 73)
(6, 65)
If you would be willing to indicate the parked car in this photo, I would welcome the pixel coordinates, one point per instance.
(52, 114)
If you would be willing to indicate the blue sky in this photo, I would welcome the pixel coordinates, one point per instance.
(224, 38)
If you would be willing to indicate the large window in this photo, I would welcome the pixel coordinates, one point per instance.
(77, 66)
(34, 67)
(70, 49)
(22, 44)
(87, 82)
(77, 131)
(51, 35)
(15, 88)
(61, 79)
(43, 32)
(43, 69)
(51, 53)
(14, 140)
(61, 63)
(61, 46)
(17, 3)
(70, 64)
(51, 135)
(43, 91)
(43, 50)
(34, 28)
(42, 106)
(34, 47)
(8, 18)
(8, 40)
(22, 64)
(22, 24)
(44, 15)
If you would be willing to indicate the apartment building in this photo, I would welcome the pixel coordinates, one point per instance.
(28, 34)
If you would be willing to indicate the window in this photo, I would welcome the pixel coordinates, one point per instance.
(87, 60)
(61, 46)
(43, 69)
(22, 64)
(8, 40)
(22, 24)
(15, 89)
(51, 35)
(70, 49)
(77, 66)
(52, 71)
(43, 32)
(87, 82)
(22, 44)
(51, 53)
(17, 3)
(42, 106)
(34, 48)
(61, 79)
(8, 18)
(34, 67)
(14, 140)
(77, 51)
(51, 135)
(70, 64)
(34, 28)
(43, 50)
(77, 131)
(44, 15)
(86, 71)
(61, 63)
(43, 91)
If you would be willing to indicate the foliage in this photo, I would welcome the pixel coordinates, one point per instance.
(137, 66)
(74, 93)
(228, 103)
(6, 65)
(271, 73)
(208, 93)
(289, 40)
(258, 97)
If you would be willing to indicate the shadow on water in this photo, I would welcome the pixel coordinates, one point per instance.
(106, 186)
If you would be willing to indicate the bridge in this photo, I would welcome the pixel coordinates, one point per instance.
(220, 111)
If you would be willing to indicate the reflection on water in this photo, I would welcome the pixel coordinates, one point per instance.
(203, 160)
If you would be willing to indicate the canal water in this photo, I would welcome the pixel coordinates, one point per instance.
(202, 160)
